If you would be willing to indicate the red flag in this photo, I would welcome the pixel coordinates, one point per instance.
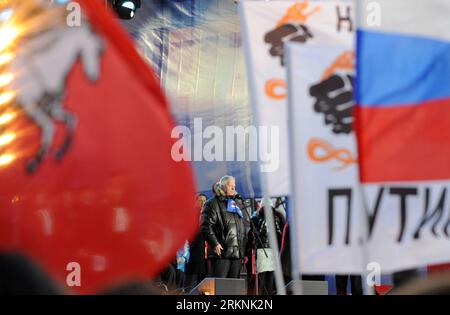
(86, 176)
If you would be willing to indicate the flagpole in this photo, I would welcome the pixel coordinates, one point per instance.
(279, 281)
(368, 290)
(292, 204)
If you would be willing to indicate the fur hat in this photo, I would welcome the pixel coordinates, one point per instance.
(217, 190)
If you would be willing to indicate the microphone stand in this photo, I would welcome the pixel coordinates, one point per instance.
(253, 227)
(255, 233)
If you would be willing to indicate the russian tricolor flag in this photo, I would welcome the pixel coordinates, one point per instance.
(403, 92)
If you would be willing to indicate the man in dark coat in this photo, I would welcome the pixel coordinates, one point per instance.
(223, 229)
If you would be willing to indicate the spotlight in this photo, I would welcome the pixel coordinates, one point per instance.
(125, 9)
(5, 15)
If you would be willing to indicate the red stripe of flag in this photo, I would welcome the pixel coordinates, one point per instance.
(404, 143)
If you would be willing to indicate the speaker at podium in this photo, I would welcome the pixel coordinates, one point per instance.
(220, 286)
(309, 287)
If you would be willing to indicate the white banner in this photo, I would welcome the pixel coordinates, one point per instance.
(325, 199)
(408, 224)
(266, 27)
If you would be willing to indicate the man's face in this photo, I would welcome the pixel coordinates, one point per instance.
(230, 188)
(201, 202)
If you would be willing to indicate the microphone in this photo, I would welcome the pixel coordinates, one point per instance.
(237, 196)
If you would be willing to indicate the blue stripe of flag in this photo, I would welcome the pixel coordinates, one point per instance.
(398, 69)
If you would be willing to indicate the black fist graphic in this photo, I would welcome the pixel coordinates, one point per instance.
(334, 99)
(286, 33)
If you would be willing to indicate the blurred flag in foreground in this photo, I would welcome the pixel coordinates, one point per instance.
(402, 123)
(88, 187)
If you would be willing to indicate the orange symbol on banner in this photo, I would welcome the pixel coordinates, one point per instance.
(344, 156)
(276, 89)
(296, 13)
(345, 61)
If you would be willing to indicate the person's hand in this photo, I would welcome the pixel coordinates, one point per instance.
(218, 249)
(181, 260)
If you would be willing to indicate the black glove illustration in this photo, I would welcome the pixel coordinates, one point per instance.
(334, 99)
(285, 33)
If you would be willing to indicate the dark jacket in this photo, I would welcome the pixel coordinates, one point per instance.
(197, 262)
(259, 222)
(224, 228)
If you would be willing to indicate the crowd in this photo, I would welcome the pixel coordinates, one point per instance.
(232, 242)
